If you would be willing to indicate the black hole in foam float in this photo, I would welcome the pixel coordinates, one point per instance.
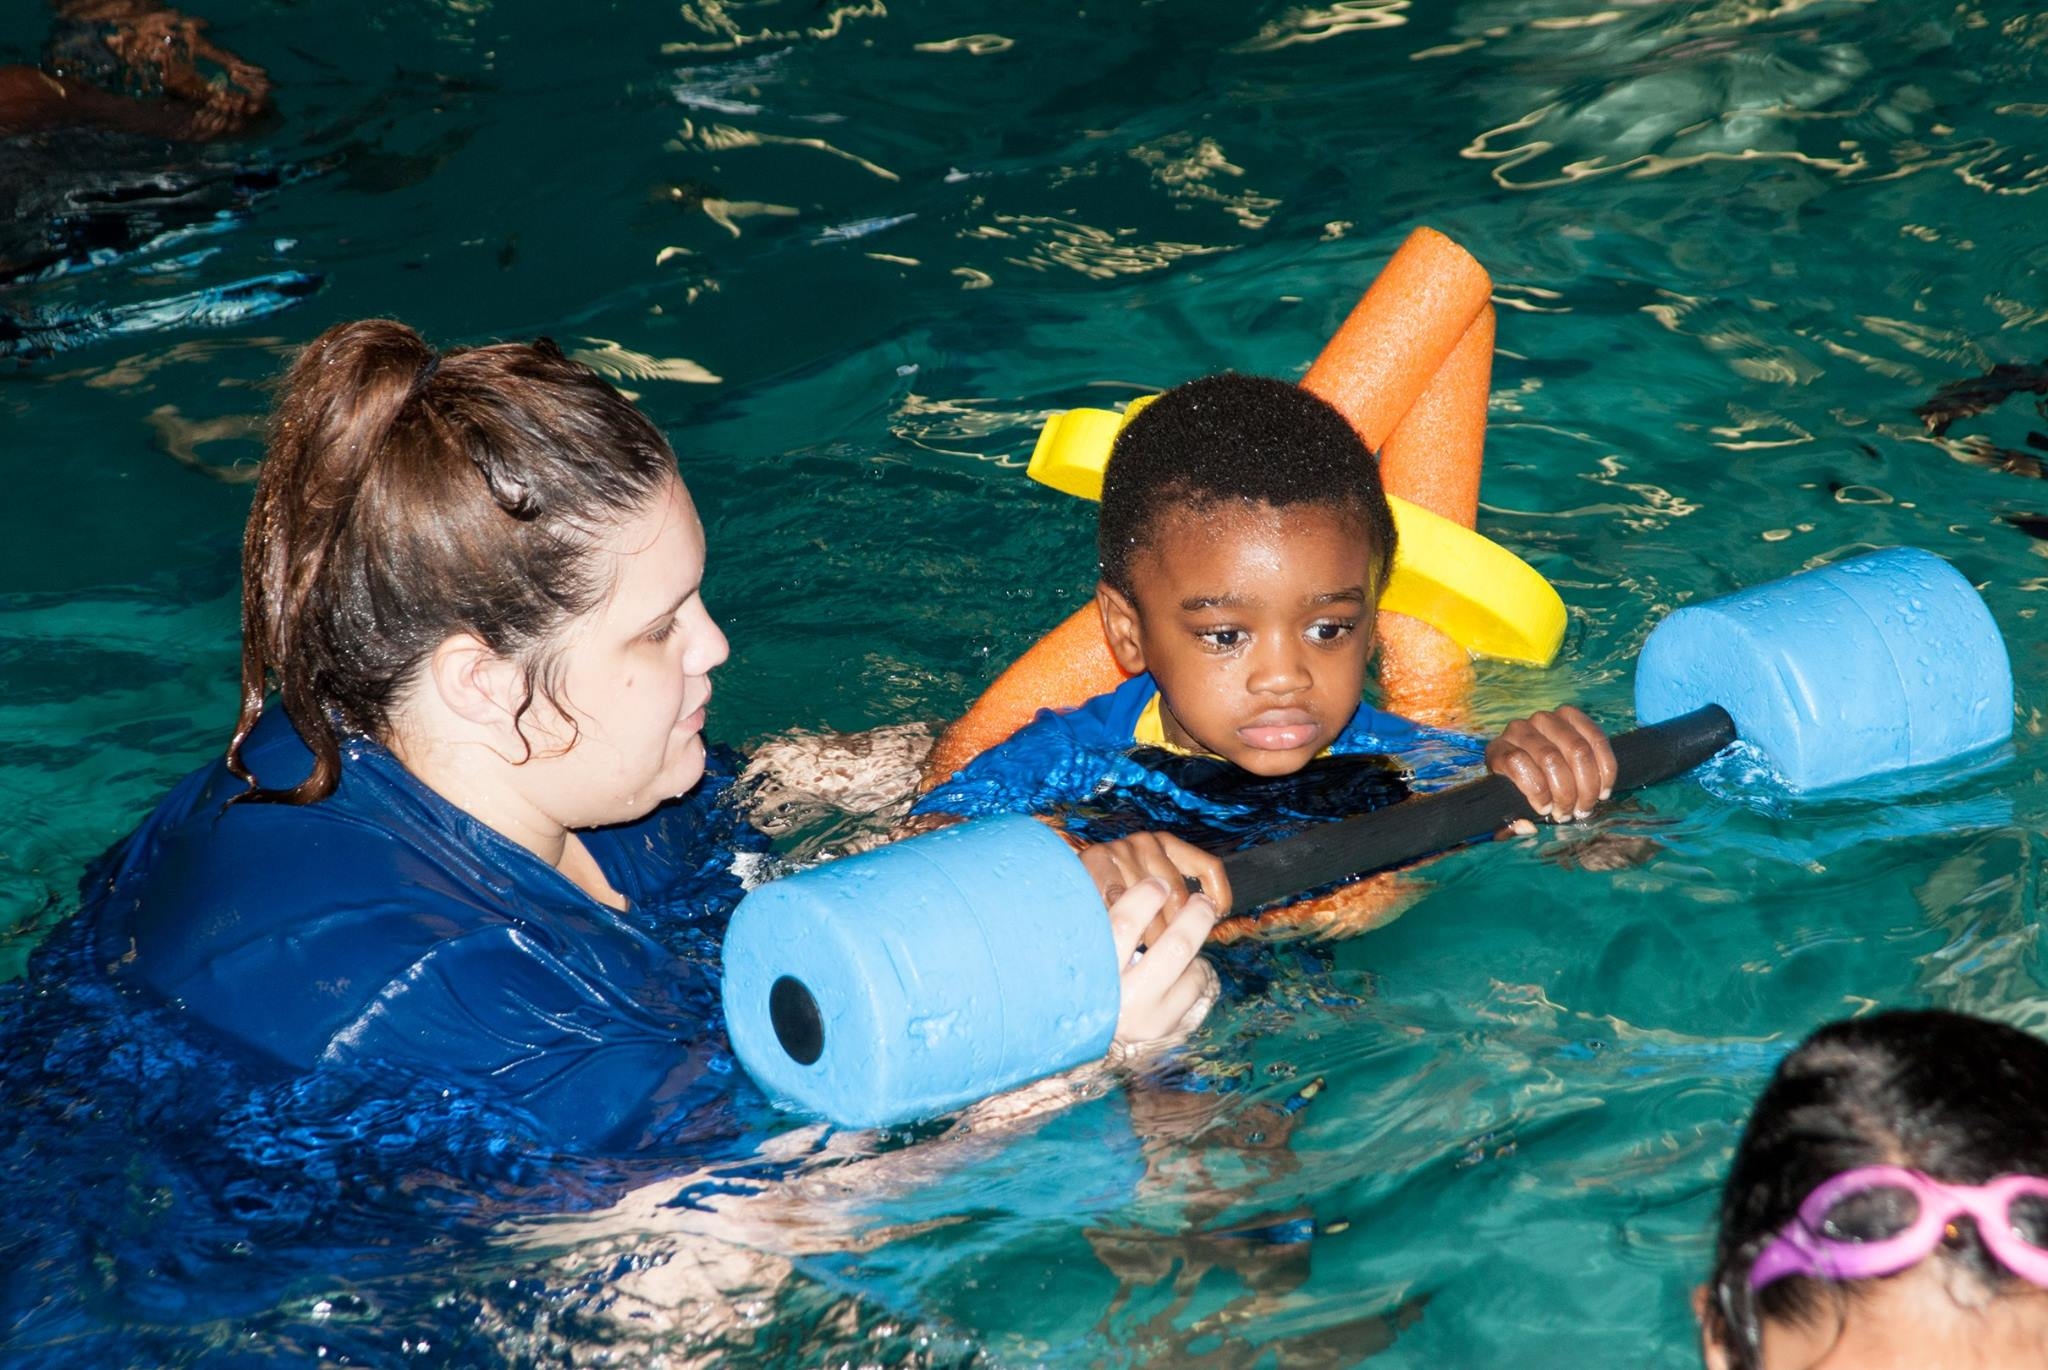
(797, 1025)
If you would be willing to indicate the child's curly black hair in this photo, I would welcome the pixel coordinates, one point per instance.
(1961, 1099)
(1230, 438)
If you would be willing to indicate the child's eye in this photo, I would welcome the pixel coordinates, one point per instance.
(1335, 630)
(1222, 639)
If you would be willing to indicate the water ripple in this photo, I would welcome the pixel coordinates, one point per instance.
(1048, 241)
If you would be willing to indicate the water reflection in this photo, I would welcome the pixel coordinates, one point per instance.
(1735, 245)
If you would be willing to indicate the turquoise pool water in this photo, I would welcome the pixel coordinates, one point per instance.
(849, 255)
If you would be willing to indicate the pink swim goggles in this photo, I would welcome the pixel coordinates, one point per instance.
(1910, 1214)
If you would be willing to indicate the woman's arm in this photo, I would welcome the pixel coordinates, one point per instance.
(802, 777)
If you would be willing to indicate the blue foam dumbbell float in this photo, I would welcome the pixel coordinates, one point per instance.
(914, 979)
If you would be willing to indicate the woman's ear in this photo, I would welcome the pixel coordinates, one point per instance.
(1120, 627)
(1712, 1353)
(474, 683)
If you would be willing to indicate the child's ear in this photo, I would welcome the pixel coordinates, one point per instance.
(1120, 627)
(1712, 1353)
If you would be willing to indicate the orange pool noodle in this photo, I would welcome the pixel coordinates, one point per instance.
(1423, 675)
(1400, 334)
(1346, 911)
(1434, 457)
(1068, 666)
(1411, 368)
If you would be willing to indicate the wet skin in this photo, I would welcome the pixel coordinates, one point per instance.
(1934, 1314)
(1256, 621)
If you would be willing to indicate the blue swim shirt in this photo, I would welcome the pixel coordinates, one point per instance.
(1085, 764)
(384, 928)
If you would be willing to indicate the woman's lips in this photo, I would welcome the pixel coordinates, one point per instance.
(693, 721)
(1282, 730)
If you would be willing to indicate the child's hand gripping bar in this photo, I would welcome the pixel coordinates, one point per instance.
(913, 979)
(1423, 824)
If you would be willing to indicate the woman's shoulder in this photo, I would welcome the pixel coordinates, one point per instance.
(205, 840)
(210, 899)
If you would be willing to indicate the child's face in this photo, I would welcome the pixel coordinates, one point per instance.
(1931, 1315)
(1256, 621)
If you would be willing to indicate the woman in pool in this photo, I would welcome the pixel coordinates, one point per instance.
(473, 580)
(1888, 1204)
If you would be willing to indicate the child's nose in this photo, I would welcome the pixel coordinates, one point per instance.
(1278, 667)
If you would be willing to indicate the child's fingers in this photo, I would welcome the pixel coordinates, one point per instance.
(1584, 745)
(1564, 766)
(1603, 750)
(1560, 761)
(1130, 917)
(1116, 872)
(1205, 868)
(1152, 856)
(1163, 857)
(1506, 757)
(1571, 763)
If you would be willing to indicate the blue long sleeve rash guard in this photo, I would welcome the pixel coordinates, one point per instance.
(1083, 767)
(1066, 757)
(383, 926)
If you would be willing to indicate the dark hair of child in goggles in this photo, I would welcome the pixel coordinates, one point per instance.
(1961, 1099)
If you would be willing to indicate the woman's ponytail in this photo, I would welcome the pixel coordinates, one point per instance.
(408, 496)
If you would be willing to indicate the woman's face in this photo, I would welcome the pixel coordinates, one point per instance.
(634, 677)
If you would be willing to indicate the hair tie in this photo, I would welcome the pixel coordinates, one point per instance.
(426, 373)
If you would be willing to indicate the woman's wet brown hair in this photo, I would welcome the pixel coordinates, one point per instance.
(408, 496)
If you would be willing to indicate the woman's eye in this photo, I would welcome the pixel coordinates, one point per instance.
(663, 633)
(1332, 632)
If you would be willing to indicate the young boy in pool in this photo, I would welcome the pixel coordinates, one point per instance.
(1244, 542)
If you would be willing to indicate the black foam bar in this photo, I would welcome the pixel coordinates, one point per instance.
(1431, 823)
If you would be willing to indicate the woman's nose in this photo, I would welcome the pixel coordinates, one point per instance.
(708, 647)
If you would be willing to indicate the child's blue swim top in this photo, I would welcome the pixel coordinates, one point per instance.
(1066, 758)
(384, 926)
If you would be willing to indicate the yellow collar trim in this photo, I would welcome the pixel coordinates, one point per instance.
(1151, 730)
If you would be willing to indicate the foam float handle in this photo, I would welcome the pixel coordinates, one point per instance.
(1429, 823)
(922, 976)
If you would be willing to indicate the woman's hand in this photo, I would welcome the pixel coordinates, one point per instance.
(1168, 990)
(1561, 762)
